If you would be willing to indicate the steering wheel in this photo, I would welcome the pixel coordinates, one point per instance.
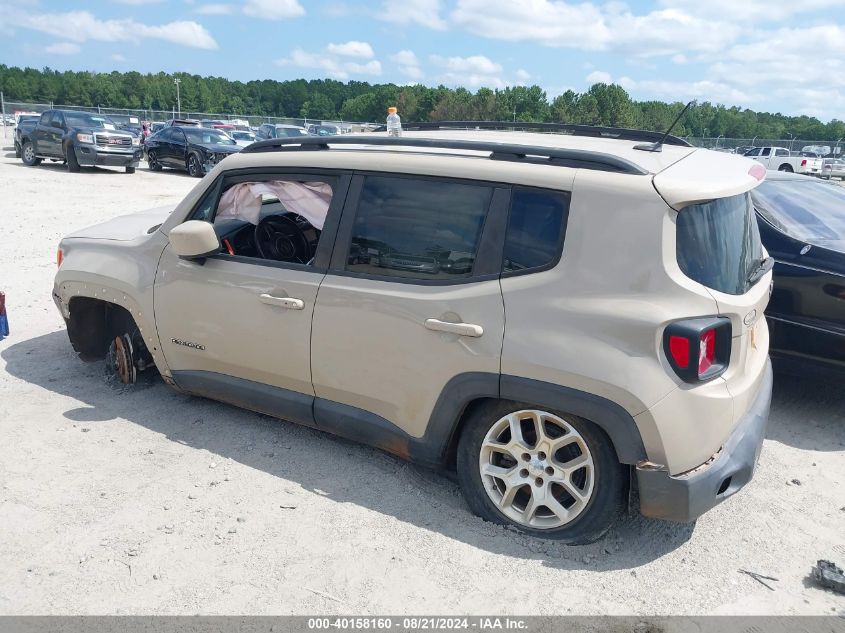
(280, 238)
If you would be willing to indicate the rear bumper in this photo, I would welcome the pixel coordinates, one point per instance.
(89, 155)
(686, 497)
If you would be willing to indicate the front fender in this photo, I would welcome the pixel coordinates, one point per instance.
(122, 273)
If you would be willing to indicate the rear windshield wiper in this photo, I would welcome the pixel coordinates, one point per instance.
(762, 268)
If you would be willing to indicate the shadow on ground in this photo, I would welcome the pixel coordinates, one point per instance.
(808, 411)
(342, 470)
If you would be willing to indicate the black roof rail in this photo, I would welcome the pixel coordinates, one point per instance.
(619, 133)
(538, 154)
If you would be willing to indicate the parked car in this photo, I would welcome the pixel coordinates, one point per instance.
(243, 138)
(279, 130)
(24, 124)
(79, 139)
(802, 225)
(782, 159)
(128, 123)
(181, 123)
(640, 351)
(833, 168)
(194, 149)
(323, 130)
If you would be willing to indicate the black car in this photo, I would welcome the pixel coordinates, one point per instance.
(802, 225)
(194, 149)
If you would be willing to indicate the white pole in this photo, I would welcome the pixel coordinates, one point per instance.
(3, 109)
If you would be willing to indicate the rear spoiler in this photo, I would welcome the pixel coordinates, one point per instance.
(703, 175)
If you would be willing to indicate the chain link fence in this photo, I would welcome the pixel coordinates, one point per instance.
(832, 147)
(10, 108)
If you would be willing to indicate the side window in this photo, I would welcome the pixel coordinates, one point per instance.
(164, 135)
(45, 118)
(58, 118)
(754, 152)
(419, 229)
(536, 228)
(782, 152)
(766, 151)
(269, 219)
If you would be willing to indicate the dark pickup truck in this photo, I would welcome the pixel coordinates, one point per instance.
(79, 138)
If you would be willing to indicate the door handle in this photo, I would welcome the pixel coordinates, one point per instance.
(461, 329)
(283, 302)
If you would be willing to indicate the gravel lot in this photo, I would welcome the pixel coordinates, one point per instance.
(142, 500)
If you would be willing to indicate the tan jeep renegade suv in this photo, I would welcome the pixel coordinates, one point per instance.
(556, 317)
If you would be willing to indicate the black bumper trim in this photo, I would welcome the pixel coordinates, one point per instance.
(686, 497)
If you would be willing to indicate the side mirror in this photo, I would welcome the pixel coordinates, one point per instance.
(56, 124)
(194, 239)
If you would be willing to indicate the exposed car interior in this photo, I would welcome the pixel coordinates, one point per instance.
(278, 220)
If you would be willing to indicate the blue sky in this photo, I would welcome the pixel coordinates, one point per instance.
(776, 55)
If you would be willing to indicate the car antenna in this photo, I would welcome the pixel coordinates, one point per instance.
(658, 146)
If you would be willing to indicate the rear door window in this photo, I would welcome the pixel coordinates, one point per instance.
(418, 229)
(718, 243)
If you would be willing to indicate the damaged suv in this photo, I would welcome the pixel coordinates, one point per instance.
(557, 318)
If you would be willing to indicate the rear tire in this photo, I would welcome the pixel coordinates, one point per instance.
(786, 167)
(17, 150)
(72, 162)
(28, 155)
(570, 488)
(130, 169)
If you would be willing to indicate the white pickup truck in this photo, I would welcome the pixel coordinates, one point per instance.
(782, 159)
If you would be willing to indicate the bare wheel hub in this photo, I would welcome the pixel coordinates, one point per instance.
(121, 359)
(537, 469)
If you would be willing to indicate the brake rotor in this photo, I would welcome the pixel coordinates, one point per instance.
(121, 360)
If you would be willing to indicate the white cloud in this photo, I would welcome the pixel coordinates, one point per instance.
(523, 75)
(353, 48)
(473, 71)
(138, 3)
(273, 9)
(63, 48)
(704, 90)
(372, 67)
(81, 26)
(755, 11)
(117, 57)
(599, 77)
(215, 8)
(421, 12)
(330, 65)
(408, 64)
(586, 26)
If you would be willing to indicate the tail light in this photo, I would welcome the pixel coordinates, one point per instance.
(698, 349)
(59, 257)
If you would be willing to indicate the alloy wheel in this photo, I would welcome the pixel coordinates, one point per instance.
(537, 469)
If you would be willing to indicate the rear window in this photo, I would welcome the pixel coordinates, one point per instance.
(808, 210)
(718, 243)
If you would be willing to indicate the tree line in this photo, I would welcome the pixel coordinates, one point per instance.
(601, 104)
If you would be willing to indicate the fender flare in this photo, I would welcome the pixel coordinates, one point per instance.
(463, 389)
